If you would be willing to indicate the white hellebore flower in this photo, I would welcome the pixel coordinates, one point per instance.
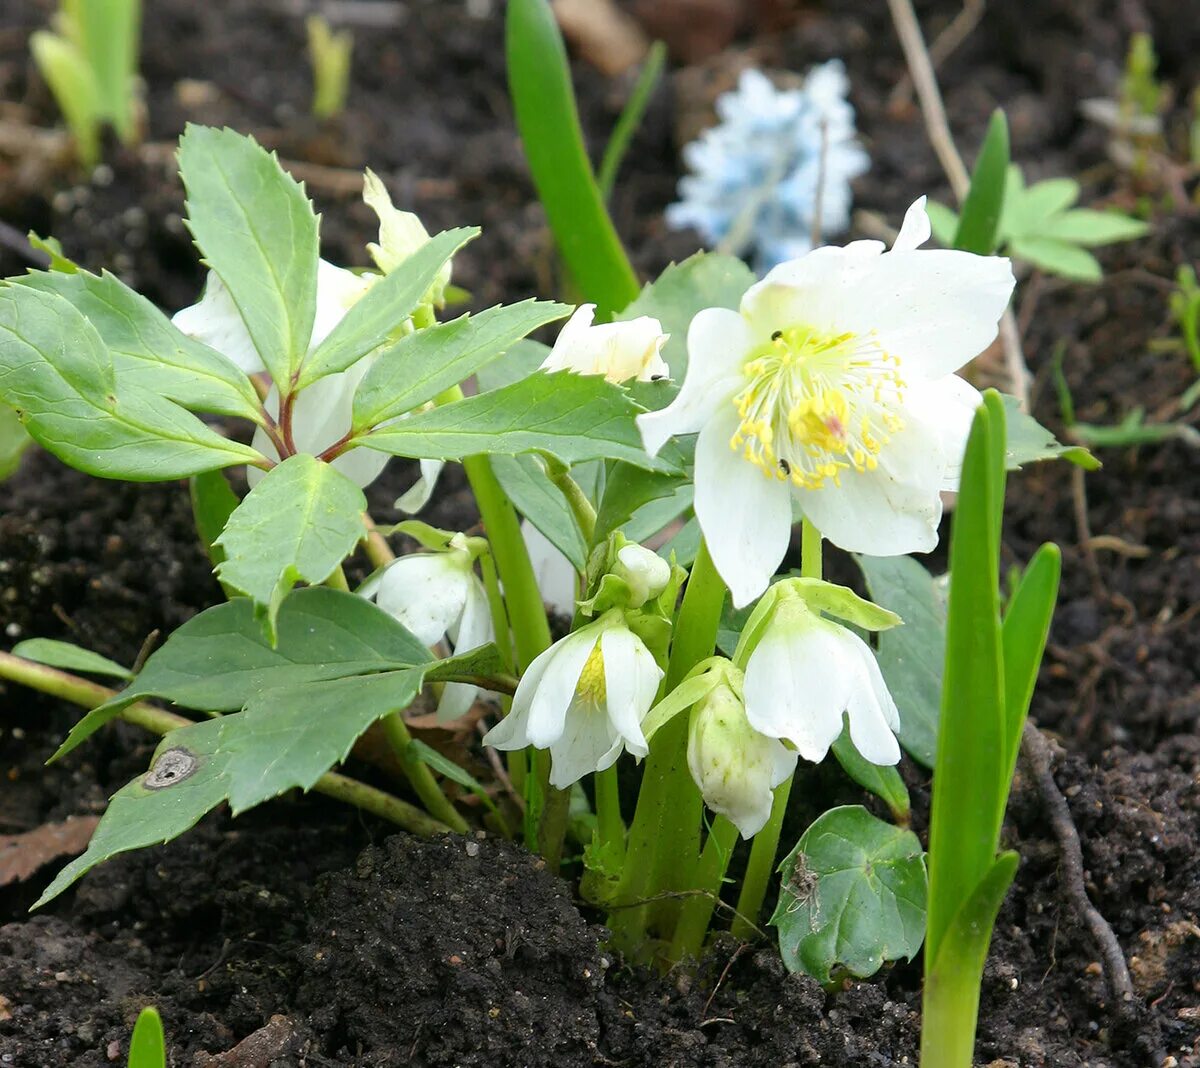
(735, 767)
(437, 595)
(584, 699)
(643, 571)
(618, 351)
(834, 386)
(323, 410)
(805, 673)
(556, 576)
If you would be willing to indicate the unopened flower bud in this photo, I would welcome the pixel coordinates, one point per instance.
(644, 571)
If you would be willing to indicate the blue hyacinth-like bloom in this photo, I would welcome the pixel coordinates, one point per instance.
(753, 183)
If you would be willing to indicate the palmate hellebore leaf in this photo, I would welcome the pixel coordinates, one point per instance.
(56, 370)
(853, 896)
(297, 525)
(220, 660)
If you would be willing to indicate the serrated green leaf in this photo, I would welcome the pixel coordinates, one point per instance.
(853, 895)
(193, 778)
(1086, 227)
(981, 210)
(290, 736)
(14, 440)
(1040, 201)
(539, 500)
(147, 350)
(423, 364)
(539, 79)
(297, 525)
(571, 417)
(520, 361)
(910, 656)
(705, 280)
(256, 229)
(1057, 257)
(1030, 442)
(220, 659)
(56, 370)
(70, 656)
(381, 311)
(884, 782)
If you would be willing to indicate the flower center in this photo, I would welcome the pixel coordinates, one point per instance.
(816, 405)
(591, 686)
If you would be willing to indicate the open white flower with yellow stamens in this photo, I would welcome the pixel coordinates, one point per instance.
(584, 699)
(834, 385)
(618, 351)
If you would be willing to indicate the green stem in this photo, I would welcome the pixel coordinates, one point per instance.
(664, 841)
(761, 865)
(337, 580)
(159, 721)
(609, 824)
(517, 761)
(419, 774)
(696, 912)
(581, 507)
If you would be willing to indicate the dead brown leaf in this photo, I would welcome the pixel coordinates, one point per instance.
(22, 855)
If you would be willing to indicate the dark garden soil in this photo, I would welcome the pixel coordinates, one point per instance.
(304, 934)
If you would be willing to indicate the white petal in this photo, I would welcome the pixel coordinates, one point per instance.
(948, 406)
(413, 499)
(797, 686)
(783, 762)
(872, 712)
(718, 343)
(570, 339)
(474, 628)
(512, 732)
(745, 516)
(588, 743)
(424, 592)
(915, 230)
(892, 510)
(338, 290)
(631, 679)
(456, 701)
(933, 309)
(215, 320)
(556, 691)
(555, 574)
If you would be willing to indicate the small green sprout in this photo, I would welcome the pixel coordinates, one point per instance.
(1185, 310)
(89, 61)
(1141, 94)
(148, 1047)
(1040, 225)
(329, 53)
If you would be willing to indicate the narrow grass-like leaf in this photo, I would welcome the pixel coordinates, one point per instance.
(381, 311)
(110, 30)
(423, 364)
(950, 1005)
(297, 525)
(148, 1046)
(69, 656)
(539, 81)
(972, 739)
(571, 417)
(1025, 629)
(256, 229)
(66, 70)
(631, 117)
(980, 217)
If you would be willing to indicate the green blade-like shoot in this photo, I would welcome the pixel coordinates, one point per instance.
(980, 219)
(148, 1047)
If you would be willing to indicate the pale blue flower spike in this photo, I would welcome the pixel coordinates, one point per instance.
(753, 180)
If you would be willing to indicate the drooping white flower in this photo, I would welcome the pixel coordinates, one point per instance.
(584, 699)
(754, 176)
(437, 595)
(805, 673)
(618, 351)
(735, 767)
(834, 385)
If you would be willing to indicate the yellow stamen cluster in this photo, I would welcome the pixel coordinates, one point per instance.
(591, 686)
(816, 405)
